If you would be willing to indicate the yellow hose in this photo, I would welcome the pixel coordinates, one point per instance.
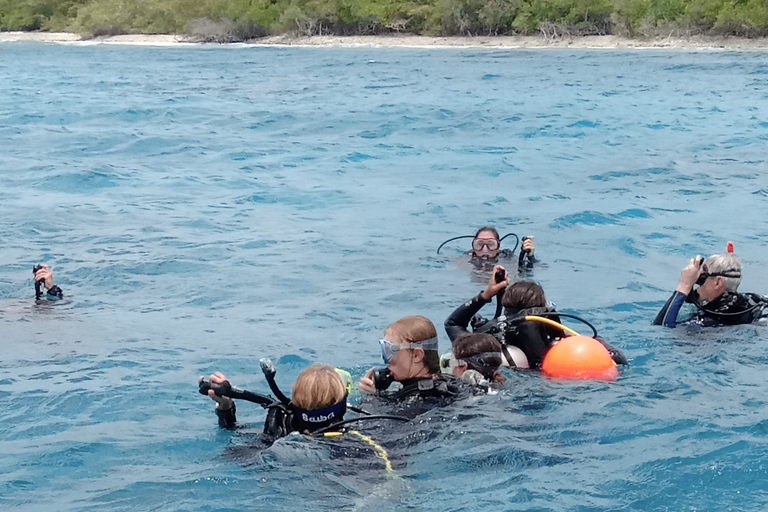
(543, 320)
(380, 451)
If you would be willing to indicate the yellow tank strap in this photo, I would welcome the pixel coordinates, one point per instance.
(346, 378)
(380, 451)
(534, 318)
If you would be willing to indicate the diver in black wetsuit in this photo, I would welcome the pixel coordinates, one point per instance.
(316, 408)
(521, 299)
(44, 279)
(410, 350)
(318, 400)
(717, 298)
(476, 358)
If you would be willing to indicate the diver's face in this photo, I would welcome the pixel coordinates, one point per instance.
(459, 370)
(406, 363)
(485, 245)
(402, 363)
(712, 288)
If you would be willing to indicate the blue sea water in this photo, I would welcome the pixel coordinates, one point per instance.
(203, 207)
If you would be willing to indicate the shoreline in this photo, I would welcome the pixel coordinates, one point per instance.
(408, 41)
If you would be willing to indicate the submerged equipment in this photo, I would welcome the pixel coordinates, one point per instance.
(517, 240)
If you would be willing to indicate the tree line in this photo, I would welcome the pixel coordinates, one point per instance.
(238, 20)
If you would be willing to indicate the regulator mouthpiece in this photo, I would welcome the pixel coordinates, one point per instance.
(267, 366)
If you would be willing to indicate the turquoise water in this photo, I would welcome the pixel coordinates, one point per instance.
(203, 207)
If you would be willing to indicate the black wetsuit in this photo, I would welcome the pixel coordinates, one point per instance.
(418, 396)
(533, 338)
(730, 308)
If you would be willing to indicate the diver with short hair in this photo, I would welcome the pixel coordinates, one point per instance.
(476, 358)
(316, 409)
(318, 400)
(524, 342)
(410, 350)
(717, 297)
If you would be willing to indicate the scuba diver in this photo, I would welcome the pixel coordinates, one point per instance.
(316, 409)
(487, 252)
(319, 399)
(476, 358)
(717, 299)
(486, 246)
(44, 279)
(525, 340)
(410, 350)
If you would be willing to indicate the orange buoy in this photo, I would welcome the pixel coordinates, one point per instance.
(580, 358)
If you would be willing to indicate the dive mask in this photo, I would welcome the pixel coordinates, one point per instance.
(389, 349)
(705, 274)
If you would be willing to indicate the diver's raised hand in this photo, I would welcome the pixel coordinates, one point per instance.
(44, 274)
(690, 274)
(222, 402)
(495, 285)
(529, 246)
(366, 384)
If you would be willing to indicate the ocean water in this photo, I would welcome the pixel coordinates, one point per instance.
(203, 207)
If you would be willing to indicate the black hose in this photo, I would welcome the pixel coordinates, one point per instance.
(361, 418)
(230, 391)
(555, 313)
(517, 240)
(452, 239)
(269, 373)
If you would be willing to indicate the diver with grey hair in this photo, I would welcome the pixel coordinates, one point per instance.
(717, 297)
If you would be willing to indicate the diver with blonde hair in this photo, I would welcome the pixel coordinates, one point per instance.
(318, 400)
(410, 351)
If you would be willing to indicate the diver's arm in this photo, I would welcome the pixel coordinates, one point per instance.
(225, 406)
(529, 247)
(45, 275)
(55, 293)
(668, 314)
(227, 417)
(458, 322)
(688, 276)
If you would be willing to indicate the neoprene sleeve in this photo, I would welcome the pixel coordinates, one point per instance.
(668, 314)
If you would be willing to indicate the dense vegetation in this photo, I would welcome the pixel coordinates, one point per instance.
(233, 20)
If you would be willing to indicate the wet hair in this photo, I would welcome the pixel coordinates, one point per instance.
(413, 329)
(317, 387)
(470, 345)
(488, 228)
(524, 295)
(725, 263)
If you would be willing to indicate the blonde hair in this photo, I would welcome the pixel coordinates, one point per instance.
(725, 264)
(317, 387)
(413, 329)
